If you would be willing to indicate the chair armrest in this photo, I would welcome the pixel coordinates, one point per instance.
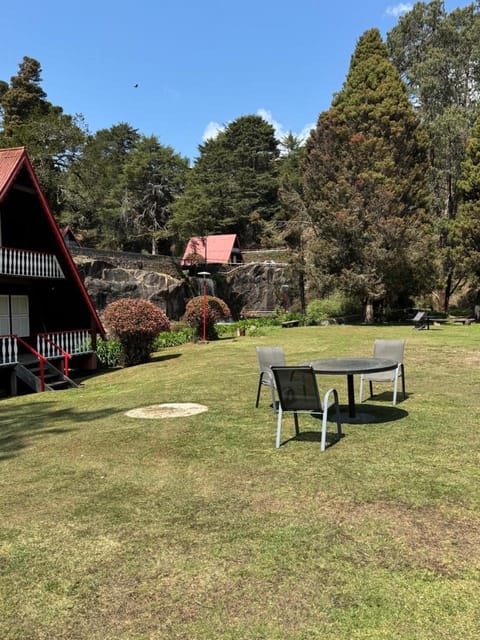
(326, 399)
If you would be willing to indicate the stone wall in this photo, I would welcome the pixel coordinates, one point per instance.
(106, 282)
(252, 289)
(128, 260)
(249, 289)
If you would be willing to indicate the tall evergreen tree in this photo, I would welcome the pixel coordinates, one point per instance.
(93, 198)
(464, 251)
(233, 185)
(152, 178)
(290, 228)
(438, 56)
(53, 139)
(365, 192)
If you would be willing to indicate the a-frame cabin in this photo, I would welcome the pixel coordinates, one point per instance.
(47, 320)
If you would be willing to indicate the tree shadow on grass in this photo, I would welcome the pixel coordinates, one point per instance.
(83, 376)
(167, 356)
(25, 423)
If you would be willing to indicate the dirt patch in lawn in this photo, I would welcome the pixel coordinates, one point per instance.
(167, 410)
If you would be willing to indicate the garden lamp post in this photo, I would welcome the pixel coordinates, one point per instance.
(204, 274)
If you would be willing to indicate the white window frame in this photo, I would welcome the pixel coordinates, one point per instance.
(15, 315)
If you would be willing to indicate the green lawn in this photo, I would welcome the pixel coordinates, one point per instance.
(119, 528)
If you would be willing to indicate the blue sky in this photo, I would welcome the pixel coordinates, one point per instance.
(199, 64)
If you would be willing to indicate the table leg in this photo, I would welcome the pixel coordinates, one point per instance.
(351, 396)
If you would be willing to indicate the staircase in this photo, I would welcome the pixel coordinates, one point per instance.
(29, 372)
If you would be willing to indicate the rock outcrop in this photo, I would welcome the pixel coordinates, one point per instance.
(248, 289)
(106, 282)
(253, 289)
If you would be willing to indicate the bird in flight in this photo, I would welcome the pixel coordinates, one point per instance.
(135, 86)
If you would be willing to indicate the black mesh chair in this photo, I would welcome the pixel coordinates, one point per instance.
(298, 393)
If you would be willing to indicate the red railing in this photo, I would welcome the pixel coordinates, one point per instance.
(74, 342)
(41, 360)
(44, 341)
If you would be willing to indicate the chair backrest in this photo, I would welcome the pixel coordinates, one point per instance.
(420, 315)
(268, 356)
(389, 349)
(297, 388)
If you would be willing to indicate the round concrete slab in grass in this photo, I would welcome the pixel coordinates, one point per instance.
(167, 410)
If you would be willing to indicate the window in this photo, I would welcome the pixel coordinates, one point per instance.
(14, 315)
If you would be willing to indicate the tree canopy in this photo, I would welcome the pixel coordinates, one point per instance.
(53, 139)
(153, 177)
(233, 186)
(438, 56)
(392, 164)
(121, 190)
(365, 192)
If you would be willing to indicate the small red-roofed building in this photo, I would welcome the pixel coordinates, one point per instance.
(47, 320)
(69, 237)
(215, 249)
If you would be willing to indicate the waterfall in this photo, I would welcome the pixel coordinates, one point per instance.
(211, 288)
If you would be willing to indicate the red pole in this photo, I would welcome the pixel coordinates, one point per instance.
(42, 374)
(204, 309)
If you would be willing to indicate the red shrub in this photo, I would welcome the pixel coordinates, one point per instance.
(136, 324)
(216, 309)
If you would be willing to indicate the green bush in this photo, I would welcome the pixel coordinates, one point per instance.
(173, 338)
(227, 330)
(251, 327)
(136, 324)
(109, 353)
(290, 315)
(195, 313)
(334, 306)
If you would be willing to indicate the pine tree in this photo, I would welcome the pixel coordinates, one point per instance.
(152, 177)
(365, 190)
(437, 54)
(463, 252)
(233, 186)
(52, 138)
(93, 196)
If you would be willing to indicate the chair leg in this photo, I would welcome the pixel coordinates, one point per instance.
(274, 400)
(395, 385)
(279, 427)
(295, 419)
(323, 440)
(337, 412)
(259, 389)
(361, 388)
(403, 381)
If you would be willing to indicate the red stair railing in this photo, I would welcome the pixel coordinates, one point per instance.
(42, 338)
(41, 360)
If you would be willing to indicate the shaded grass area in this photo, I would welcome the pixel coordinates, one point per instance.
(120, 528)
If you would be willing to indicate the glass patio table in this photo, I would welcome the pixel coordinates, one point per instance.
(350, 367)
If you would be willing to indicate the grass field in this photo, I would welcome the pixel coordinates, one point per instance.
(198, 528)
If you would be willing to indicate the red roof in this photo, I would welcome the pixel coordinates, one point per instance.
(68, 235)
(12, 161)
(10, 165)
(210, 249)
